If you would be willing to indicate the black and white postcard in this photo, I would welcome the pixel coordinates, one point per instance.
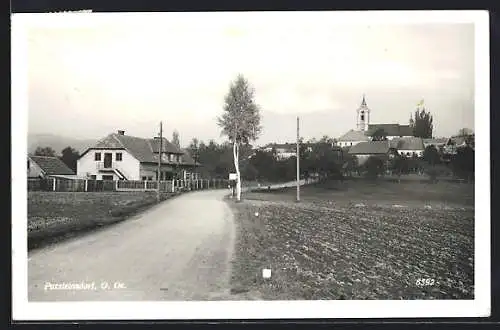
(244, 165)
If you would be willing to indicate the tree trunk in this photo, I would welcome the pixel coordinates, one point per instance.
(237, 167)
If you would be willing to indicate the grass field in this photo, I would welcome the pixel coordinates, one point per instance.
(53, 216)
(356, 240)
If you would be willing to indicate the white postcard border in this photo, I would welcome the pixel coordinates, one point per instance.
(24, 310)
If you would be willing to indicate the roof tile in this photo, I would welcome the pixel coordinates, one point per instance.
(52, 165)
(353, 135)
(370, 148)
(145, 150)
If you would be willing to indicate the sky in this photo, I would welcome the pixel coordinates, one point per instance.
(89, 80)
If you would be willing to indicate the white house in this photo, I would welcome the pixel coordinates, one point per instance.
(408, 146)
(351, 138)
(283, 151)
(123, 157)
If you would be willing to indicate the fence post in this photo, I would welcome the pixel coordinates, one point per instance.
(116, 185)
(173, 185)
(86, 184)
(145, 184)
(53, 184)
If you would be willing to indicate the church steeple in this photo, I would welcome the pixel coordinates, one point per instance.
(363, 103)
(363, 119)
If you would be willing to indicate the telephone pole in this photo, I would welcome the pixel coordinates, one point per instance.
(298, 162)
(160, 147)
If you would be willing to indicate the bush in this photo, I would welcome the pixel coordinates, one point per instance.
(437, 171)
(373, 167)
(463, 163)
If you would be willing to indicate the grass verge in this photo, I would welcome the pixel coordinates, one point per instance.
(55, 216)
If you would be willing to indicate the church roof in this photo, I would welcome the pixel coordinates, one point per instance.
(353, 135)
(390, 129)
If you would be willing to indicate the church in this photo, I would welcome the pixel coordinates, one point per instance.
(364, 130)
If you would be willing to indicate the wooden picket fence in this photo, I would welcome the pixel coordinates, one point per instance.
(82, 185)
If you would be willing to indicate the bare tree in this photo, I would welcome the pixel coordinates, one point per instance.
(240, 121)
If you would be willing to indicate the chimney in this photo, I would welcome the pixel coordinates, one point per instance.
(121, 132)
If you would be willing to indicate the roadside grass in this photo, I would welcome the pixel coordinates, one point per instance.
(55, 216)
(356, 240)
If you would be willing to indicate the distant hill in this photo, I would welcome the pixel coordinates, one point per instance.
(56, 142)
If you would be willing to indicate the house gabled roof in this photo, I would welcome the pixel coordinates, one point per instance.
(435, 141)
(458, 140)
(390, 129)
(370, 148)
(409, 143)
(52, 165)
(353, 135)
(144, 150)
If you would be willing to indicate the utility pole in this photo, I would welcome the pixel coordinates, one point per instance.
(160, 147)
(298, 162)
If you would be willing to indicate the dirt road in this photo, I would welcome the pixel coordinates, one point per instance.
(179, 250)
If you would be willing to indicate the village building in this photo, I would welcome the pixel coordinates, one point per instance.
(352, 138)
(42, 167)
(124, 157)
(456, 142)
(439, 143)
(408, 146)
(380, 149)
(365, 131)
(282, 150)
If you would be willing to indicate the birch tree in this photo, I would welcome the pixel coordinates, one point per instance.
(240, 120)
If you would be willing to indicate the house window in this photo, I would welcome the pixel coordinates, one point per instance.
(170, 157)
(93, 177)
(144, 178)
(97, 156)
(150, 178)
(178, 158)
(119, 156)
(107, 177)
